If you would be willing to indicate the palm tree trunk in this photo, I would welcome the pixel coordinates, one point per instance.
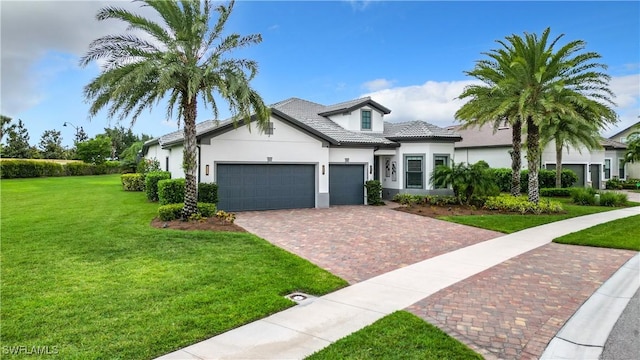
(558, 163)
(533, 156)
(190, 164)
(516, 158)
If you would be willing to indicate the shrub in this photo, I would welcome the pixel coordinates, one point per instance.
(568, 178)
(148, 165)
(408, 199)
(174, 211)
(171, 191)
(555, 192)
(441, 200)
(374, 192)
(502, 178)
(583, 196)
(28, 168)
(132, 182)
(108, 167)
(225, 216)
(612, 199)
(614, 184)
(521, 205)
(208, 193)
(151, 183)
(79, 168)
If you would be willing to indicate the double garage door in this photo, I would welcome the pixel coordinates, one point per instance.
(284, 186)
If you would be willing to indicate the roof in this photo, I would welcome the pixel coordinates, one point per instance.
(624, 130)
(612, 144)
(313, 118)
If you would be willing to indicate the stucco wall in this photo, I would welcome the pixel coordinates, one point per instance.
(351, 121)
(497, 157)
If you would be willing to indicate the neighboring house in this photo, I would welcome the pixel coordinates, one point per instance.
(311, 155)
(633, 169)
(593, 168)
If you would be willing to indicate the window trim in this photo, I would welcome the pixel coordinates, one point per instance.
(406, 170)
(362, 111)
(605, 169)
(447, 160)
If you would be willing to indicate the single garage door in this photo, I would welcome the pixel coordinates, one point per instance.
(346, 184)
(576, 168)
(265, 186)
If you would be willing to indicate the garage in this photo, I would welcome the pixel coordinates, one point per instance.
(346, 184)
(576, 168)
(244, 187)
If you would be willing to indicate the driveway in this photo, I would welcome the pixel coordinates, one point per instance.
(360, 242)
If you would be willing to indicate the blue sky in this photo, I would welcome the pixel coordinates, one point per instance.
(409, 56)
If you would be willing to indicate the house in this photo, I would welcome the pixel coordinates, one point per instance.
(311, 155)
(593, 167)
(623, 136)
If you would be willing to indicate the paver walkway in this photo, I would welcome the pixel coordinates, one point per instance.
(514, 309)
(314, 324)
(360, 242)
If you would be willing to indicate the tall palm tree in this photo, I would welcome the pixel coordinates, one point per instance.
(566, 83)
(492, 102)
(181, 58)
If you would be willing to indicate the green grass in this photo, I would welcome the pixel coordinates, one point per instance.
(511, 223)
(618, 234)
(85, 274)
(400, 335)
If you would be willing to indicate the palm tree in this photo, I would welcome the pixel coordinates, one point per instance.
(465, 180)
(493, 103)
(181, 57)
(566, 83)
(633, 147)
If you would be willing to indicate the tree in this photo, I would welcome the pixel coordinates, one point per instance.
(545, 84)
(186, 60)
(493, 102)
(80, 136)
(5, 126)
(51, 145)
(465, 180)
(94, 151)
(18, 143)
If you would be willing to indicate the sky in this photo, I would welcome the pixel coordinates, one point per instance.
(408, 56)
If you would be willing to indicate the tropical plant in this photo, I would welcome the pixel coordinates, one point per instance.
(492, 102)
(545, 83)
(465, 180)
(183, 58)
(633, 147)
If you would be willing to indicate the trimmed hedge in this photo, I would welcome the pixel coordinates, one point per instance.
(374, 192)
(132, 182)
(555, 192)
(174, 211)
(208, 193)
(171, 191)
(521, 205)
(546, 179)
(28, 168)
(151, 183)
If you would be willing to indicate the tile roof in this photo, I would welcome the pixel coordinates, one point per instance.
(608, 143)
(312, 116)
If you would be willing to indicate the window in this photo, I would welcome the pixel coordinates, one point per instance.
(166, 163)
(414, 172)
(440, 160)
(621, 173)
(269, 129)
(365, 120)
(607, 169)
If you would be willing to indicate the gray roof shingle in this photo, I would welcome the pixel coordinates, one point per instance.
(312, 116)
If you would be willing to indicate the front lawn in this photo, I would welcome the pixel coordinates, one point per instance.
(618, 234)
(85, 275)
(515, 222)
(400, 335)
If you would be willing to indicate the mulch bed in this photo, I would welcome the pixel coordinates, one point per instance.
(210, 224)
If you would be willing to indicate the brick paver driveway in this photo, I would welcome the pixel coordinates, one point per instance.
(360, 242)
(512, 310)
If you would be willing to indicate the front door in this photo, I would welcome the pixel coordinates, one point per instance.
(595, 175)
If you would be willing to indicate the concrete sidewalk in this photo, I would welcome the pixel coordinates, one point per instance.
(314, 324)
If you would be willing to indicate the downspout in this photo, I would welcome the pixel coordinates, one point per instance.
(199, 159)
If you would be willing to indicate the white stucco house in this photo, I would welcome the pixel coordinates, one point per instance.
(593, 167)
(311, 155)
(624, 136)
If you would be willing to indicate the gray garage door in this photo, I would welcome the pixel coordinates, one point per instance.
(265, 187)
(576, 168)
(346, 184)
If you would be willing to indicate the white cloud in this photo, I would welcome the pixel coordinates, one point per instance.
(434, 102)
(359, 5)
(377, 84)
(33, 29)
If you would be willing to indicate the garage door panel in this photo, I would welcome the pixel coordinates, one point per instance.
(346, 184)
(265, 186)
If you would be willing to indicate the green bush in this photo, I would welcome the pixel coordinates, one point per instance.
(151, 183)
(171, 191)
(374, 192)
(79, 168)
(148, 165)
(502, 178)
(28, 168)
(612, 199)
(132, 182)
(441, 200)
(568, 178)
(614, 184)
(555, 192)
(408, 199)
(174, 211)
(208, 193)
(583, 196)
(521, 205)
